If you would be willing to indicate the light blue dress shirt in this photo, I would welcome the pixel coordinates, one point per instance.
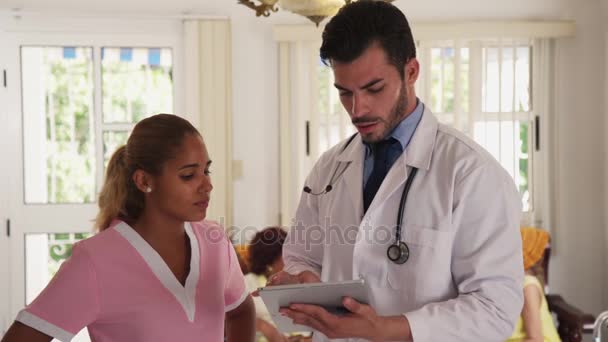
(403, 133)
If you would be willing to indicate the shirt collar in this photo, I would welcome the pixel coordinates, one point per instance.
(406, 128)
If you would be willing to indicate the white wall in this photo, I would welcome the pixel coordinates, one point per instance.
(580, 256)
(255, 122)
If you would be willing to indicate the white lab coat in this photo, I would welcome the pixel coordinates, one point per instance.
(463, 280)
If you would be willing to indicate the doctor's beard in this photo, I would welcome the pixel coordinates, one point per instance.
(396, 115)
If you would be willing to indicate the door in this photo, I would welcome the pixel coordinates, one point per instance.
(53, 166)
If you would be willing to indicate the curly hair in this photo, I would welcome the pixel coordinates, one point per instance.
(265, 248)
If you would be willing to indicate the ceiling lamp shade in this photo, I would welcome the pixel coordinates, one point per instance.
(315, 10)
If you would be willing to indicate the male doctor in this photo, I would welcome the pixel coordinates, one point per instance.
(454, 270)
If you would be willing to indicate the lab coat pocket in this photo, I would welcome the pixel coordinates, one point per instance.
(429, 253)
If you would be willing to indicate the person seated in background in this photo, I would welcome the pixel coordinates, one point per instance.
(259, 260)
(535, 322)
(265, 252)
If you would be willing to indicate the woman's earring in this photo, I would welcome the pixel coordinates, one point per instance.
(148, 189)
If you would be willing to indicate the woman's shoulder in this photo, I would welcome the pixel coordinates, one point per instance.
(93, 250)
(98, 240)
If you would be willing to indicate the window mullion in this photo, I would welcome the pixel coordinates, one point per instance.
(98, 116)
(428, 77)
(485, 94)
(441, 97)
(500, 99)
(476, 67)
(515, 123)
(314, 95)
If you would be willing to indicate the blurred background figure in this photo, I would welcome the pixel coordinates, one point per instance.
(265, 250)
(535, 322)
(259, 260)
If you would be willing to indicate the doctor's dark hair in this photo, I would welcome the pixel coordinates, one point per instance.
(360, 24)
(152, 142)
(265, 248)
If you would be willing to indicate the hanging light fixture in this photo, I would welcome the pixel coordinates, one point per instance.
(264, 8)
(315, 10)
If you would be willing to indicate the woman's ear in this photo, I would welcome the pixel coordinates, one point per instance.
(143, 181)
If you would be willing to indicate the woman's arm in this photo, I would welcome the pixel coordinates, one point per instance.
(531, 313)
(19, 332)
(240, 322)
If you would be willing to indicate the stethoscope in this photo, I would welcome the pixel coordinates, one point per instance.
(398, 252)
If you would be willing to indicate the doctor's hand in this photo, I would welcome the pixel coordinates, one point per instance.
(361, 322)
(284, 278)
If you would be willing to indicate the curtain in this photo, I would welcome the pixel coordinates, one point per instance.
(298, 116)
(208, 77)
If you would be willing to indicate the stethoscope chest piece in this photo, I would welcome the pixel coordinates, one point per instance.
(398, 253)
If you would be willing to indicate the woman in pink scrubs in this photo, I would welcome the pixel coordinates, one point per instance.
(156, 271)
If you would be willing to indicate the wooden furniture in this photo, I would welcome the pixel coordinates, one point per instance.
(572, 322)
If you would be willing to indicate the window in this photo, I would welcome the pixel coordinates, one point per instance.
(62, 154)
(136, 83)
(58, 124)
(483, 88)
(334, 124)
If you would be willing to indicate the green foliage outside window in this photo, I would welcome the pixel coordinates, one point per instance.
(60, 248)
(131, 91)
(70, 133)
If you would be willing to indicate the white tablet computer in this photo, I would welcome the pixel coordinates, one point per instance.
(327, 295)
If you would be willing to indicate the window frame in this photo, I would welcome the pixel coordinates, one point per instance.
(97, 43)
(475, 111)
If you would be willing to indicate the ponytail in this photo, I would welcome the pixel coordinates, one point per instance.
(114, 192)
(152, 142)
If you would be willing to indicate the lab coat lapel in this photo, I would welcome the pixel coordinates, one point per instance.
(353, 176)
(417, 154)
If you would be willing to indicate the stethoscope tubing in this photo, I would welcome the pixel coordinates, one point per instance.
(406, 190)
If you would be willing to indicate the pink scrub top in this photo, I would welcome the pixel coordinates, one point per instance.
(119, 287)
